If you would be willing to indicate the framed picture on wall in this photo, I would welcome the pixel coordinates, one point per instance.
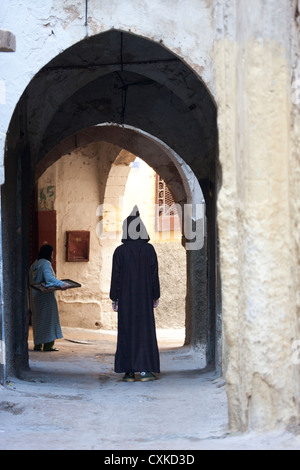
(78, 245)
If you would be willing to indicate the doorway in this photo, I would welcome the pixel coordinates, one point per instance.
(99, 202)
(165, 99)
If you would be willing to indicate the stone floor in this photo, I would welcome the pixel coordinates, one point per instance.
(72, 399)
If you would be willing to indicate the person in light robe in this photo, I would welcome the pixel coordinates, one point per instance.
(45, 317)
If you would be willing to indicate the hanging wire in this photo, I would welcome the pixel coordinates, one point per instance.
(86, 18)
(121, 52)
(124, 86)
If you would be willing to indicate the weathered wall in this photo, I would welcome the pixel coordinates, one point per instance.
(253, 77)
(80, 182)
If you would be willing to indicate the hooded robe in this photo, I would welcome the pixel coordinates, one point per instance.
(135, 285)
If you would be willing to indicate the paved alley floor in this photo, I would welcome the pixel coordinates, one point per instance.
(72, 399)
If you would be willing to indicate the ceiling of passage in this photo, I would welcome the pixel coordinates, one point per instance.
(117, 77)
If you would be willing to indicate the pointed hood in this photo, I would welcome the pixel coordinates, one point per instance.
(134, 228)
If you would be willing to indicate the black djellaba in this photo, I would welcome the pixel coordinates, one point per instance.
(135, 288)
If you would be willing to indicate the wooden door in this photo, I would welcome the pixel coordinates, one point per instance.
(47, 231)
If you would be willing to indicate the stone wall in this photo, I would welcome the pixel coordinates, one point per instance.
(79, 187)
(253, 76)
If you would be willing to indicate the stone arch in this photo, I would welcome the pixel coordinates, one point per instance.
(186, 192)
(175, 171)
(164, 98)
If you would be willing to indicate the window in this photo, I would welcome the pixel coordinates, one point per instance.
(167, 215)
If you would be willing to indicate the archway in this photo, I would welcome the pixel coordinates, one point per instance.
(144, 86)
(187, 195)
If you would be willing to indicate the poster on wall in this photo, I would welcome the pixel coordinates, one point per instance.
(78, 245)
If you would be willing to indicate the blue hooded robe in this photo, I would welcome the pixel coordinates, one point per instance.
(45, 318)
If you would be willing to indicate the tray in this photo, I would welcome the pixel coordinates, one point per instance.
(42, 288)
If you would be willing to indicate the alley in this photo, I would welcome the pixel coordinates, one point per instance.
(72, 399)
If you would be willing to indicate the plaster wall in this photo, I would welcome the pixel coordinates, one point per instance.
(253, 76)
(80, 182)
(78, 179)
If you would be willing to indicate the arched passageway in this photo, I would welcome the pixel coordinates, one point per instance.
(103, 188)
(120, 78)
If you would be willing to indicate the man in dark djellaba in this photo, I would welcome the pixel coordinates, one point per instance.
(134, 292)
